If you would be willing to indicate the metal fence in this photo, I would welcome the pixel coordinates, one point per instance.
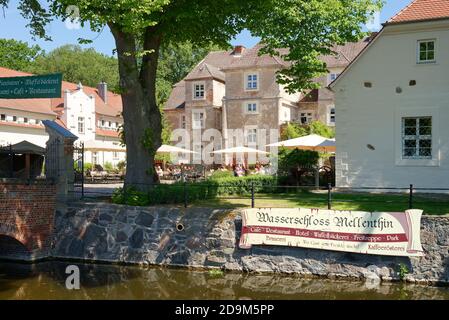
(256, 195)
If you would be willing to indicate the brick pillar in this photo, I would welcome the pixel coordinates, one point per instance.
(59, 163)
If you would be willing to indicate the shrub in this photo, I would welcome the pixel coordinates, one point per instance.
(210, 189)
(221, 174)
(108, 167)
(121, 165)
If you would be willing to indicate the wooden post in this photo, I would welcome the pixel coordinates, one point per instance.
(27, 166)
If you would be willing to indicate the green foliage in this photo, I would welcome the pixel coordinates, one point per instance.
(108, 167)
(87, 166)
(295, 158)
(121, 165)
(292, 131)
(17, 55)
(79, 65)
(216, 273)
(221, 174)
(319, 128)
(295, 130)
(210, 189)
(402, 271)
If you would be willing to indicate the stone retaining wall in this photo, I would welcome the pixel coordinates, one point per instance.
(209, 239)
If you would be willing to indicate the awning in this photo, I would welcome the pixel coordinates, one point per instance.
(311, 142)
(239, 150)
(24, 147)
(172, 149)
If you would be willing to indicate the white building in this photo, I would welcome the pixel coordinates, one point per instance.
(392, 104)
(92, 114)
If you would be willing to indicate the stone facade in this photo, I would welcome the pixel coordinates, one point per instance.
(208, 238)
(26, 219)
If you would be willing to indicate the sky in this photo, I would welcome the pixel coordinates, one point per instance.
(13, 26)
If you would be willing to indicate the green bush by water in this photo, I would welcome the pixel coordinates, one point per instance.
(209, 189)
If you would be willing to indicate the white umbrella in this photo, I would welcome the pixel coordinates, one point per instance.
(239, 150)
(311, 142)
(172, 149)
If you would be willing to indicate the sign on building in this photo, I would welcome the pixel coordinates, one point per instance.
(31, 87)
(380, 233)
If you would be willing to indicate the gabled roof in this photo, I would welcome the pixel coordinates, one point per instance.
(53, 106)
(346, 53)
(205, 71)
(422, 10)
(177, 97)
(251, 58)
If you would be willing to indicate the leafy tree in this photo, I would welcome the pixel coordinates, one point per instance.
(308, 28)
(79, 65)
(296, 163)
(295, 130)
(17, 55)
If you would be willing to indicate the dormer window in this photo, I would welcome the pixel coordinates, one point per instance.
(198, 91)
(252, 81)
(426, 51)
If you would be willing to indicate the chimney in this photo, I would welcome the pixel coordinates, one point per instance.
(103, 91)
(238, 50)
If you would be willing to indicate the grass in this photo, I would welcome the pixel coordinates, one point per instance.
(431, 204)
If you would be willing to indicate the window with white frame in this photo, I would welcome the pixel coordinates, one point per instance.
(198, 120)
(251, 136)
(331, 116)
(417, 138)
(198, 90)
(332, 77)
(251, 107)
(115, 155)
(80, 124)
(3, 117)
(306, 117)
(426, 51)
(252, 81)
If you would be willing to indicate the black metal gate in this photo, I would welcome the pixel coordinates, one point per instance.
(78, 157)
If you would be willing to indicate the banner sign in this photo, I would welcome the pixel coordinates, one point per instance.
(380, 233)
(45, 86)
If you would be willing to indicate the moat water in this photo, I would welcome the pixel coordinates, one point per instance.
(48, 281)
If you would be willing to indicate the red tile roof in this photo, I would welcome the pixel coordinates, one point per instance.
(24, 125)
(419, 10)
(106, 133)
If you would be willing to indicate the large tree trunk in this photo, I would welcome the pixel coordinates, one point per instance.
(141, 115)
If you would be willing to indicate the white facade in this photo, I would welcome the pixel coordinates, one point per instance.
(17, 126)
(393, 110)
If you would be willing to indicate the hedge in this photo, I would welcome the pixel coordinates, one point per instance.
(209, 189)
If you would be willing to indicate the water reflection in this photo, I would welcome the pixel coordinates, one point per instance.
(47, 281)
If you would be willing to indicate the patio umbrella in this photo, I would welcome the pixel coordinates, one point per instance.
(172, 149)
(312, 142)
(240, 150)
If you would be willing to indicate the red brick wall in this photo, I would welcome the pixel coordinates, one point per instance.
(27, 213)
